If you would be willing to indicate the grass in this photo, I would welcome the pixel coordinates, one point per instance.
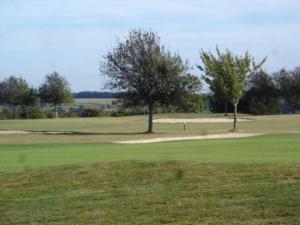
(81, 178)
(142, 193)
(109, 129)
(93, 101)
(262, 149)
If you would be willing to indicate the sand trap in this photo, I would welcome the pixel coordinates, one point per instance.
(204, 120)
(13, 132)
(211, 136)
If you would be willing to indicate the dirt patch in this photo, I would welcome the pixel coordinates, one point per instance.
(211, 136)
(204, 120)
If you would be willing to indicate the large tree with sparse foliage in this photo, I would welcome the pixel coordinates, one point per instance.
(55, 91)
(230, 73)
(144, 72)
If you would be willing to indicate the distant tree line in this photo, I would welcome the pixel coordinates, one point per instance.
(266, 93)
(94, 94)
(24, 100)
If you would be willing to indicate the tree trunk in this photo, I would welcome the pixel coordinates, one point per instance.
(150, 114)
(56, 113)
(27, 113)
(226, 107)
(235, 104)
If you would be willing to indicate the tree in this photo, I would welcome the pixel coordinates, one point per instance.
(262, 97)
(30, 100)
(55, 90)
(144, 72)
(214, 76)
(231, 74)
(14, 90)
(188, 97)
(288, 84)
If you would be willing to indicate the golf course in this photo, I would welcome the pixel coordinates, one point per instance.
(76, 171)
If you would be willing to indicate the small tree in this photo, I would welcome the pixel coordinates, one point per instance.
(231, 73)
(55, 90)
(14, 90)
(144, 72)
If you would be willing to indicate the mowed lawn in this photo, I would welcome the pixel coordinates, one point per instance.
(142, 193)
(80, 178)
(282, 149)
(110, 129)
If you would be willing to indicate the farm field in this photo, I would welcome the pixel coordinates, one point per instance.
(82, 177)
(93, 101)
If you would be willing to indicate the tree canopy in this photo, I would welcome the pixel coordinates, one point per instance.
(228, 74)
(144, 72)
(55, 90)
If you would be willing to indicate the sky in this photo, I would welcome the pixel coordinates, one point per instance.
(71, 36)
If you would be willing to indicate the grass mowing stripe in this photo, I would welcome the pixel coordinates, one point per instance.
(262, 149)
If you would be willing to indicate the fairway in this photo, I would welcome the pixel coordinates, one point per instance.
(282, 149)
(82, 177)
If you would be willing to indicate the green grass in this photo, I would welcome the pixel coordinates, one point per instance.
(262, 149)
(143, 193)
(81, 178)
(109, 129)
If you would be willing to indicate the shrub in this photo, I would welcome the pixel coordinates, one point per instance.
(120, 113)
(33, 113)
(91, 113)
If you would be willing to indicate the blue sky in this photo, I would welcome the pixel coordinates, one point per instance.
(70, 36)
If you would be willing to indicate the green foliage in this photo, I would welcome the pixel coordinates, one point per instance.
(262, 97)
(91, 112)
(144, 71)
(55, 90)
(121, 112)
(193, 103)
(228, 74)
(288, 84)
(34, 113)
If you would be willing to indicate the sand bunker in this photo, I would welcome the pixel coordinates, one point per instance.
(204, 120)
(211, 136)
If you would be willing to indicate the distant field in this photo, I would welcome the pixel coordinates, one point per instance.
(93, 101)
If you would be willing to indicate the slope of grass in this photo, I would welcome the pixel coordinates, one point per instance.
(261, 149)
(146, 193)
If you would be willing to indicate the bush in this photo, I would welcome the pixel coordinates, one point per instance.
(91, 113)
(119, 113)
(33, 113)
(68, 114)
(5, 114)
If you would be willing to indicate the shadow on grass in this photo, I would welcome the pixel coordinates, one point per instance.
(78, 133)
